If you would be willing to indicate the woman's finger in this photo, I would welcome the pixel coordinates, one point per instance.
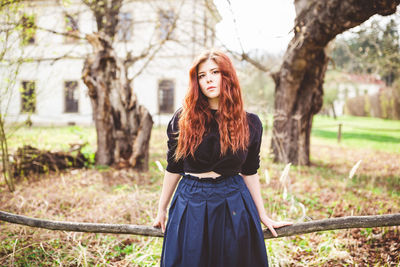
(156, 224)
(281, 224)
(163, 226)
(267, 222)
(272, 230)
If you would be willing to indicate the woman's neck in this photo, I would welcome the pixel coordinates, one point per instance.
(213, 102)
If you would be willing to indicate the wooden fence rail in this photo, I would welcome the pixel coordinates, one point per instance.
(295, 229)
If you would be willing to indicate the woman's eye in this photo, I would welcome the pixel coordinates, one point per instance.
(201, 76)
(215, 71)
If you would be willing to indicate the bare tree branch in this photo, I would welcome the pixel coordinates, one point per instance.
(43, 59)
(337, 224)
(243, 55)
(295, 229)
(147, 52)
(35, 27)
(4, 3)
(235, 24)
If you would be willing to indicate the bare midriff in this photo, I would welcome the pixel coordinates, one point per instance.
(205, 174)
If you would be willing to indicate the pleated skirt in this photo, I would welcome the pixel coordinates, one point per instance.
(213, 223)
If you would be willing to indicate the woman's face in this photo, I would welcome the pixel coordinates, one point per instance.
(209, 79)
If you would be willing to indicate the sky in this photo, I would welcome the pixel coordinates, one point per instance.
(260, 24)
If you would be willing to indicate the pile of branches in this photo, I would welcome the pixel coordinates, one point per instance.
(28, 160)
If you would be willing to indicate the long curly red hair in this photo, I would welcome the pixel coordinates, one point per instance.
(196, 114)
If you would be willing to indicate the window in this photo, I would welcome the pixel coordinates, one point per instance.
(28, 97)
(166, 96)
(71, 96)
(72, 28)
(125, 26)
(28, 29)
(166, 19)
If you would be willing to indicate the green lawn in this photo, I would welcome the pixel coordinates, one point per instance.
(358, 132)
(52, 138)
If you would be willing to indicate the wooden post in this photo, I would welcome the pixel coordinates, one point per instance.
(339, 134)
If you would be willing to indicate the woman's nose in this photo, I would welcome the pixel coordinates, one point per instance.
(209, 79)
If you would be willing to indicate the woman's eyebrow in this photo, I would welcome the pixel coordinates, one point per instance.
(200, 72)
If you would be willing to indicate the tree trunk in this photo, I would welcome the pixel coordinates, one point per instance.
(298, 83)
(5, 157)
(123, 126)
(333, 111)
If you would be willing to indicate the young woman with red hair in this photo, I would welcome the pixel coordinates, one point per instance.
(213, 144)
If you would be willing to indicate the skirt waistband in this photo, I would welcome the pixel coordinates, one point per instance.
(220, 181)
(207, 179)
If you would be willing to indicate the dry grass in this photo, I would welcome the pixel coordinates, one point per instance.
(85, 196)
(322, 190)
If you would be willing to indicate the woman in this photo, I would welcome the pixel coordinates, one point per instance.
(214, 217)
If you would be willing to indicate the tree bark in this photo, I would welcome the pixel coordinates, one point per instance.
(123, 126)
(295, 229)
(298, 83)
(5, 159)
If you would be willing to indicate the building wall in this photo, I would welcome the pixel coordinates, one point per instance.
(352, 89)
(55, 61)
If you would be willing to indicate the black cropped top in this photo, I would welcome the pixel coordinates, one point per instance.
(207, 156)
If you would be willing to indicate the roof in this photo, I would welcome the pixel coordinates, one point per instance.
(364, 78)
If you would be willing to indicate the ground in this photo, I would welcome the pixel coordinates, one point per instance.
(105, 195)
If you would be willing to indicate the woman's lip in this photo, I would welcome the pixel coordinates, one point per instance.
(211, 87)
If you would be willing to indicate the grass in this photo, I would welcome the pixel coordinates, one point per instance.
(322, 190)
(359, 132)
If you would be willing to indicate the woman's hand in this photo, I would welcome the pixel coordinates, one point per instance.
(271, 224)
(160, 220)
(169, 185)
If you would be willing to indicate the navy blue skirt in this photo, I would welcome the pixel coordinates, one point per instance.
(213, 223)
